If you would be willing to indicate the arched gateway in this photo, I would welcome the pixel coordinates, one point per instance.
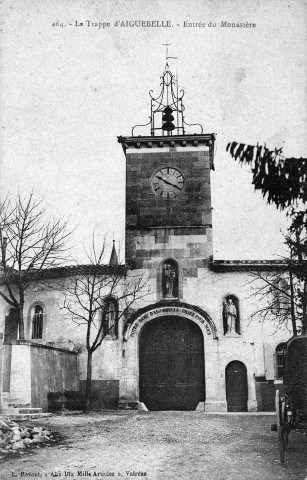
(172, 372)
(169, 342)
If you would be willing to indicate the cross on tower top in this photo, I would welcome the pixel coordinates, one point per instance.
(166, 45)
(166, 116)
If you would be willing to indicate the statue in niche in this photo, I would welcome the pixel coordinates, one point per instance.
(230, 315)
(169, 280)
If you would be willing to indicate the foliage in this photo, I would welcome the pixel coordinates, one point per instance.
(282, 180)
(296, 241)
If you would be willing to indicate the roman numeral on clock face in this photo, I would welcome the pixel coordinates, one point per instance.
(167, 182)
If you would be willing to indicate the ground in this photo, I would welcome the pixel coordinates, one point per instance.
(162, 445)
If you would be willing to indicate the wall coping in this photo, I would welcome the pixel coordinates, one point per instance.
(39, 345)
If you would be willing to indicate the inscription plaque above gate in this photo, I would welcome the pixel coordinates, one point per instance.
(172, 310)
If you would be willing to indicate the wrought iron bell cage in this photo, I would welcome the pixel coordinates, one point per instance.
(166, 110)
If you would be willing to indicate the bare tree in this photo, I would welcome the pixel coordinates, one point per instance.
(275, 292)
(296, 241)
(282, 292)
(98, 297)
(30, 242)
(283, 182)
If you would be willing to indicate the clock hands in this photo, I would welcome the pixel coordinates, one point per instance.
(168, 183)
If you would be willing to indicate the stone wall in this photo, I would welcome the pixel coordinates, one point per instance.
(178, 227)
(20, 378)
(37, 370)
(200, 287)
(191, 207)
(52, 370)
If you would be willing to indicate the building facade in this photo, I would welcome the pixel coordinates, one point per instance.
(189, 343)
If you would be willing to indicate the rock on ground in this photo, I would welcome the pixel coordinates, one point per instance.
(14, 437)
(165, 446)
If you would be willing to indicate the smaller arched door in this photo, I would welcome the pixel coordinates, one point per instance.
(236, 387)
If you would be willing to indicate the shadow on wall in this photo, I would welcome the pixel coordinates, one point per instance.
(105, 393)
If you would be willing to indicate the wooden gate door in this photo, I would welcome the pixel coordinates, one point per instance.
(236, 387)
(171, 356)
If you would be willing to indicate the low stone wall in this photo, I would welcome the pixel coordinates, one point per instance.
(7, 354)
(39, 369)
(265, 394)
(105, 393)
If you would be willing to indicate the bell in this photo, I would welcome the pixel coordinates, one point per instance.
(168, 117)
(168, 126)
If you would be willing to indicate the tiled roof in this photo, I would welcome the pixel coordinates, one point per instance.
(72, 270)
(245, 265)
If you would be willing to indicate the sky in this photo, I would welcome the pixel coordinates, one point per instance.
(68, 92)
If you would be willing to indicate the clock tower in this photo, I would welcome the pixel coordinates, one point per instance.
(168, 194)
(182, 349)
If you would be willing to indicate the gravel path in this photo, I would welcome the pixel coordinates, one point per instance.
(162, 445)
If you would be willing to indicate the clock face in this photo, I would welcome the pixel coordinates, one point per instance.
(167, 183)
